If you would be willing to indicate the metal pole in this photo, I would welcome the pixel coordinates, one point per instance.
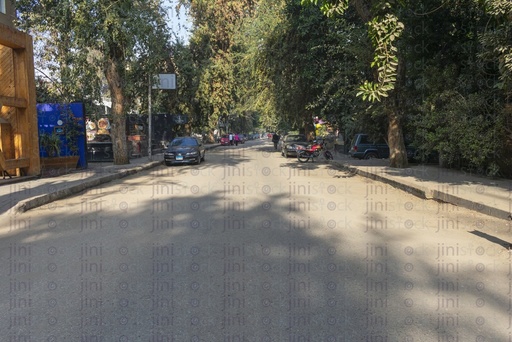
(149, 119)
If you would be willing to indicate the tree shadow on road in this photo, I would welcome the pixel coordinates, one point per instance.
(493, 239)
(243, 257)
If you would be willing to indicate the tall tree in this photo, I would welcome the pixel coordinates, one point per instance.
(212, 45)
(384, 29)
(102, 39)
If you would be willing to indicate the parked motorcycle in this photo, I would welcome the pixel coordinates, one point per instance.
(311, 152)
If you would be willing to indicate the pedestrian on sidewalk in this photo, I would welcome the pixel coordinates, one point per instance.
(231, 138)
(237, 139)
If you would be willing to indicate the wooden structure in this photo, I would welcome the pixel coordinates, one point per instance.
(11, 164)
(18, 116)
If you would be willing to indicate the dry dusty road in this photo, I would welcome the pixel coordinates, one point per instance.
(250, 246)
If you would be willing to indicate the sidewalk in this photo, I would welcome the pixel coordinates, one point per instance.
(487, 196)
(20, 194)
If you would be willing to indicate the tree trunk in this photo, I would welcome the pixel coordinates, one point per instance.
(113, 73)
(397, 151)
(309, 128)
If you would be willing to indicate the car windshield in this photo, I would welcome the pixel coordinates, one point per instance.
(295, 138)
(183, 142)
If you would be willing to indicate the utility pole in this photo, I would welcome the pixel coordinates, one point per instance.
(150, 85)
(165, 81)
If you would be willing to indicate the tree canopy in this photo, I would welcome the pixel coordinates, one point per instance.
(90, 49)
(429, 72)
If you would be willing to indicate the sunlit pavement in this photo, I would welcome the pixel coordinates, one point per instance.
(250, 246)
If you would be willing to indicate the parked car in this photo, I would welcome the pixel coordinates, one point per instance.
(363, 147)
(243, 138)
(288, 144)
(224, 140)
(184, 150)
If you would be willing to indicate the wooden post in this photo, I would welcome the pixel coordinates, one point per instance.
(18, 96)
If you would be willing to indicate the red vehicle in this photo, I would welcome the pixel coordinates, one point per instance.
(311, 152)
(224, 140)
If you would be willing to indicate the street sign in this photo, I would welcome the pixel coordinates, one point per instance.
(165, 81)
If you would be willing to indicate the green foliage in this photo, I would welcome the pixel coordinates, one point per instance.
(50, 143)
(455, 105)
(383, 32)
(290, 60)
(90, 46)
(214, 50)
(442, 69)
(453, 126)
(496, 41)
(329, 8)
(73, 130)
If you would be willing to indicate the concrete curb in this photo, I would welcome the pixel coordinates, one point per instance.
(471, 205)
(413, 190)
(418, 191)
(38, 201)
(429, 194)
(41, 200)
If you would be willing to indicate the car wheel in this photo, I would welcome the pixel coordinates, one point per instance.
(168, 163)
(371, 155)
(202, 158)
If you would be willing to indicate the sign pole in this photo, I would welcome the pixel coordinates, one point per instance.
(165, 81)
(149, 119)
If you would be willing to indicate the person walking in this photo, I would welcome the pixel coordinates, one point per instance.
(231, 138)
(237, 139)
(275, 139)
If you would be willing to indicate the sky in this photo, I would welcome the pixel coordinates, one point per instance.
(179, 23)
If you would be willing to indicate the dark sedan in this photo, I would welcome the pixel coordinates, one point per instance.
(184, 150)
(289, 143)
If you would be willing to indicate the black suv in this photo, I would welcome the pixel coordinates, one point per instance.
(362, 147)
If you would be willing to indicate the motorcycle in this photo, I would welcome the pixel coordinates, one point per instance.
(311, 152)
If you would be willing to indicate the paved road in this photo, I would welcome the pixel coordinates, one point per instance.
(250, 246)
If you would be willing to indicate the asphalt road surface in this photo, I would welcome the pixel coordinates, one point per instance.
(251, 246)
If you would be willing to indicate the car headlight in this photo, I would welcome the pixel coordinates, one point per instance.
(192, 153)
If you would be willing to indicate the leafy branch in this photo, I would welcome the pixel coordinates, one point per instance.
(383, 32)
(328, 8)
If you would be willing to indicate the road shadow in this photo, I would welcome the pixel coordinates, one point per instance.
(235, 259)
(493, 239)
